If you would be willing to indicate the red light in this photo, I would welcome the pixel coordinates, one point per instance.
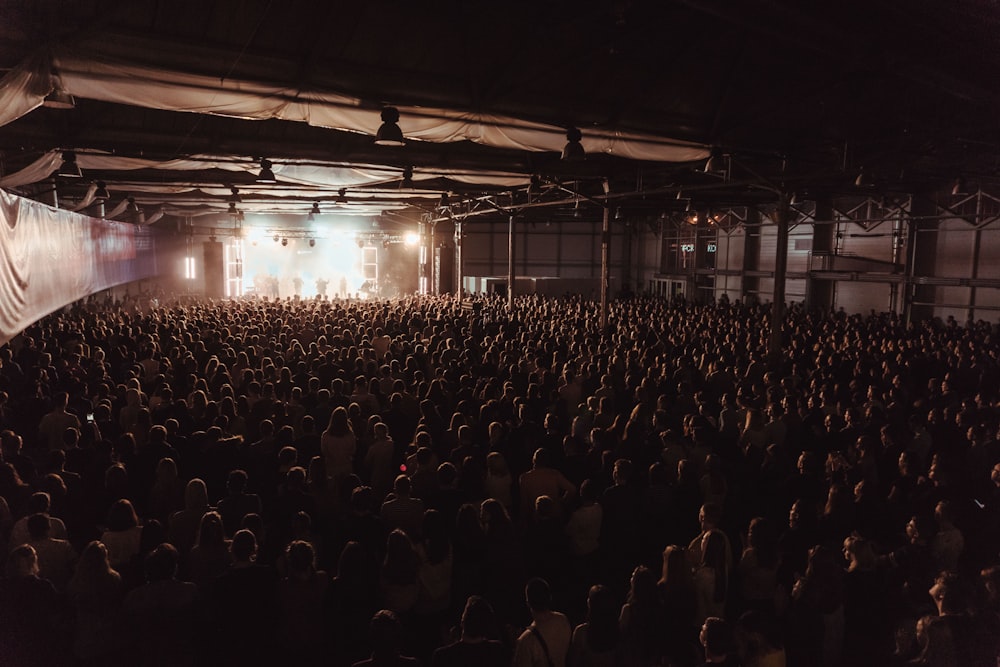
(402, 467)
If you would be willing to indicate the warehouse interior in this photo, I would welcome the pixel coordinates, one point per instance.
(844, 156)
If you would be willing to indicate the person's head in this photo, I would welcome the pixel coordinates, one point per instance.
(244, 547)
(195, 495)
(949, 594)
(385, 632)
(122, 516)
(538, 595)
(210, 531)
(236, 482)
(478, 618)
(301, 558)
(39, 503)
(161, 563)
(709, 516)
(22, 562)
(716, 638)
(38, 526)
(94, 559)
(401, 486)
(859, 553)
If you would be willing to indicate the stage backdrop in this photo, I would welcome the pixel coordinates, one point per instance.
(50, 258)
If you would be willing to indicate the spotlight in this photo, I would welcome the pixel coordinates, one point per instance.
(573, 150)
(407, 182)
(276, 238)
(234, 198)
(342, 196)
(101, 194)
(445, 202)
(411, 239)
(312, 243)
(69, 168)
(284, 242)
(266, 174)
(315, 209)
(389, 133)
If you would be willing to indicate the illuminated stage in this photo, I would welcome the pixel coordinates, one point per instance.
(335, 264)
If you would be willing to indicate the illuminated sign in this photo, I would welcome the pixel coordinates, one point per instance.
(687, 247)
(711, 248)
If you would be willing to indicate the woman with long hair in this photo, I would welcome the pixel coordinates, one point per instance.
(677, 592)
(209, 557)
(597, 641)
(399, 585)
(95, 591)
(338, 445)
(123, 534)
(642, 620)
(711, 579)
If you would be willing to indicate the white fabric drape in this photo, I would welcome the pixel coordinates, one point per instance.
(50, 258)
(287, 172)
(91, 78)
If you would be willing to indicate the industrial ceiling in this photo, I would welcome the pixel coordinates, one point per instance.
(177, 102)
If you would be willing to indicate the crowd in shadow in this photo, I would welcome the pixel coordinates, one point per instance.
(444, 482)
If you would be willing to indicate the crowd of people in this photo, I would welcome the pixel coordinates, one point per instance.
(438, 481)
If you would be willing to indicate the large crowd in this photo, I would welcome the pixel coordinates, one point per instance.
(465, 482)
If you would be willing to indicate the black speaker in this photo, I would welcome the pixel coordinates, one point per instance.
(215, 272)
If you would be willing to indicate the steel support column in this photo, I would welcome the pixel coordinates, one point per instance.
(821, 292)
(774, 343)
(751, 255)
(511, 245)
(921, 259)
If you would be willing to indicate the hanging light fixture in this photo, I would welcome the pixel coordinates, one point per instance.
(132, 206)
(573, 150)
(445, 201)
(101, 194)
(284, 242)
(266, 174)
(716, 163)
(389, 133)
(234, 198)
(312, 243)
(407, 182)
(232, 208)
(342, 196)
(69, 168)
(313, 212)
(59, 99)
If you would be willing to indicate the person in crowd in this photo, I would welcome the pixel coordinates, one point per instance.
(547, 640)
(477, 643)
(862, 423)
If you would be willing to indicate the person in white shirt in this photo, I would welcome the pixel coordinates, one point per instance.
(544, 643)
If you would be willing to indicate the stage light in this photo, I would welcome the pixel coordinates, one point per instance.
(284, 242)
(412, 239)
(312, 243)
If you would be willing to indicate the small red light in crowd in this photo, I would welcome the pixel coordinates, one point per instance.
(402, 467)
